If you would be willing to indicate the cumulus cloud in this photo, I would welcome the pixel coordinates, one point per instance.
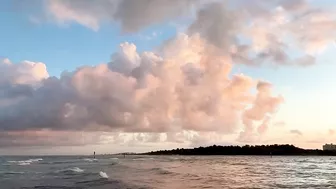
(187, 85)
(183, 88)
(264, 106)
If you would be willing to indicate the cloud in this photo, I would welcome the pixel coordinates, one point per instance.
(24, 73)
(131, 15)
(182, 88)
(48, 138)
(187, 85)
(253, 32)
(257, 32)
(264, 106)
(296, 132)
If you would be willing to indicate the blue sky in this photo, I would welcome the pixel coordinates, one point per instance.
(68, 47)
(308, 90)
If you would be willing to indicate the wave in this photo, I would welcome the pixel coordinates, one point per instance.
(76, 169)
(311, 167)
(70, 171)
(26, 162)
(103, 174)
(12, 173)
(62, 162)
(102, 183)
(91, 159)
(57, 162)
(109, 183)
(114, 161)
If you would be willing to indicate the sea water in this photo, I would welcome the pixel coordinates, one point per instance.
(167, 172)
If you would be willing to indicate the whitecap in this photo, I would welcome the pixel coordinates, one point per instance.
(76, 169)
(90, 160)
(26, 162)
(70, 170)
(103, 174)
(38, 159)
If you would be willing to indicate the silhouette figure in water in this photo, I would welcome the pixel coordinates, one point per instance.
(94, 155)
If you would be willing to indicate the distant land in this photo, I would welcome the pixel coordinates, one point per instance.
(274, 150)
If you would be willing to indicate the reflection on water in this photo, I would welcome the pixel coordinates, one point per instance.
(165, 172)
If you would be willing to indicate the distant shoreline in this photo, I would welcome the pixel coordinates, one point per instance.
(214, 150)
(247, 150)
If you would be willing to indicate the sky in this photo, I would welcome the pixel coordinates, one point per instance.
(119, 75)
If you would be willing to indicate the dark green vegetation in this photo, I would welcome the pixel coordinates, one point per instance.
(244, 150)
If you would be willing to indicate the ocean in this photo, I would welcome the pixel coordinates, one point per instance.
(167, 172)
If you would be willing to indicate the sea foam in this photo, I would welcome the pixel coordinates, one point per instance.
(103, 174)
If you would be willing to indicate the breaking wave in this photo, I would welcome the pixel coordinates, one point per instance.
(91, 159)
(103, 174)
(70, 171)
(76, 169)
(25, 162)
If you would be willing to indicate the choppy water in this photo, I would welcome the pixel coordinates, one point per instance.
(167, 172)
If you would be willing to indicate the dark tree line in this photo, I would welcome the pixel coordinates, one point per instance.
(243, 150)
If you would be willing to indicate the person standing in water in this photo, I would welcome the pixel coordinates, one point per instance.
(94, 155)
